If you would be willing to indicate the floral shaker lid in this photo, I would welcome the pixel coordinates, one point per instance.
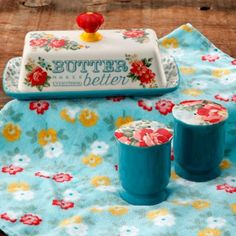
(144, 133)
(200, 112)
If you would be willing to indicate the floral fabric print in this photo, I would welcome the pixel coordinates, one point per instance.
(143, 133)
(58, 159)
(200, 112)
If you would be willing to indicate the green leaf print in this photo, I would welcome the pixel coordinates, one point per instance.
(32, 134)
(61, 135)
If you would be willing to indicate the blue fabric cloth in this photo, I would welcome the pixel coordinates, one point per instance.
(66, 180)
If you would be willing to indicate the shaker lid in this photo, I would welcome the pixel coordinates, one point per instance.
(200, 112)
(144, 133)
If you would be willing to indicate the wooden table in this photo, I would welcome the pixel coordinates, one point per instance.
(217, 20)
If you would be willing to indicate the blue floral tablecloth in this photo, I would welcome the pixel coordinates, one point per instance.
(58, 159)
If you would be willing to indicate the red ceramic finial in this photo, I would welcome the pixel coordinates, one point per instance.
(90, 23)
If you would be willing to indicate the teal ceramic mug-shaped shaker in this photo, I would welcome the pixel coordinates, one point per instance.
(199, 137)
(144, 161)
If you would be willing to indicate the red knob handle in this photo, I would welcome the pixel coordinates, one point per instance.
(90, 21)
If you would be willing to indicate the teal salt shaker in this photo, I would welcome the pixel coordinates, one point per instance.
(144, 161)
(199, 138)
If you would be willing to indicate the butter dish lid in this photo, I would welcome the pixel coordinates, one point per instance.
(200, 112)
(144, 133)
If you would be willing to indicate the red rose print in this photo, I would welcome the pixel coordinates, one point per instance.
(233, 62)
(149, 137)
(42, 175)
(234, 98)
(221, 98)
(226, 187)
(63, 204)
(5, 216)
(30, 219)
(212, 113)
(38, 42)
(147, 77)
(133, 33)
(39, 106)
(142, 104)
(12, 170)
(138, 68)
(191, 102)
(62, 177)
(37, 77)
(210, 58)
(164, 106)
(57, 43)
(116, 99)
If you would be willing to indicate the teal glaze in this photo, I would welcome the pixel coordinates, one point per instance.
(198, 150)
(144, 173)
(95, 93)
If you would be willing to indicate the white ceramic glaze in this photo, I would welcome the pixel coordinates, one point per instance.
(12, 72)
(60, 61)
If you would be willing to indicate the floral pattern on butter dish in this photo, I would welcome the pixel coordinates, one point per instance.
(49, 42)
(200, 112)
(37, 73)
(139, 35)
(143, 133)
(140, 71)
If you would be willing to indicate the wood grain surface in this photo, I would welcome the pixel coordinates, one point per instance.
(216, 20)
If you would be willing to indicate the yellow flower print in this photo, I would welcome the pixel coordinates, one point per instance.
(181, 203)
(18, 186)
(173, 175)
(225, 164)
(49, 36)
(88, 118)
(100, 181)
(209, 232)
(71, 220)
(170, 43)
(92, 160)
(187, 70)
(47, 136)
(64, 115)
(233, 208)
(123, 120)
(218, 73)
(159, 212)
(11, 132)
(118, 210)
(96, 209)
(192, 92)
(186, 28)
(200, 204)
